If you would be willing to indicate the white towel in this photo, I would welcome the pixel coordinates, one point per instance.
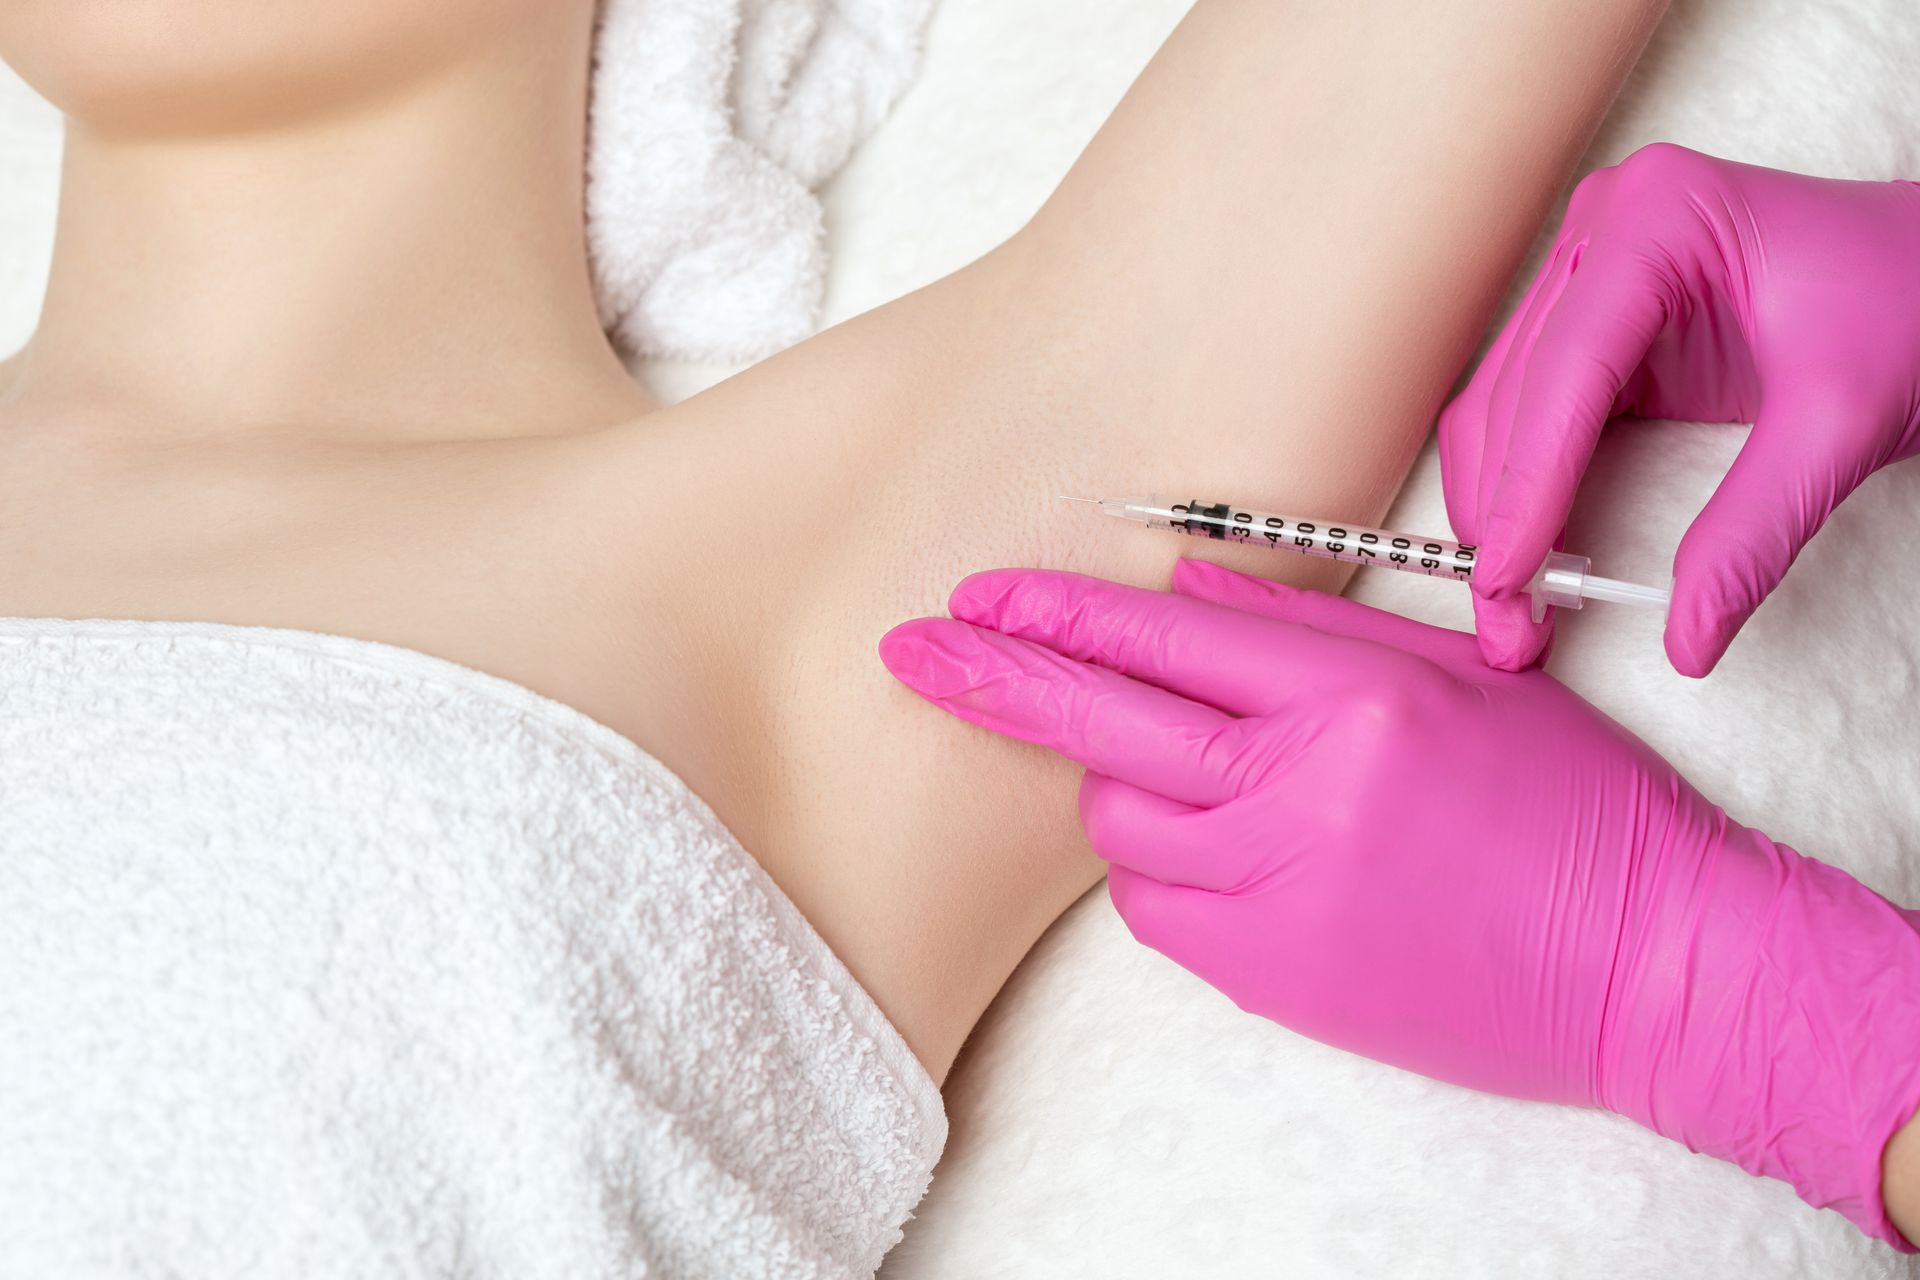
(712, 123)
(324, 958)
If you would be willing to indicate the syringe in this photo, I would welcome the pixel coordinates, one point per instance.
(1562, 581)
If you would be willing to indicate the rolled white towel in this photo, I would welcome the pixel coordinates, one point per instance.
(712, 123)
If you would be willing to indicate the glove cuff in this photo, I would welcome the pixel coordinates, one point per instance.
(1777, 1015)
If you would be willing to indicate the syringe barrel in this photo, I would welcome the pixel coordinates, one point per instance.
(1330, 540)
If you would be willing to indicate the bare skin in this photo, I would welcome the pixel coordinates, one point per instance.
(319, 351)
(1900, 1174)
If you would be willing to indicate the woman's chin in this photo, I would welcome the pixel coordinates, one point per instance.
(182, 66)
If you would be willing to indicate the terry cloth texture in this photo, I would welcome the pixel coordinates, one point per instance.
(712, 123)
(324, 958)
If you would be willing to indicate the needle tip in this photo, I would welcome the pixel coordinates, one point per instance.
(1094, 501)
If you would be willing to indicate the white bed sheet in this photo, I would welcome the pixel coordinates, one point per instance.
(1112, 1117)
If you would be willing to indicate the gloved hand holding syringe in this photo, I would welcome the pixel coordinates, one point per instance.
(1562, 581)
(1414, 843)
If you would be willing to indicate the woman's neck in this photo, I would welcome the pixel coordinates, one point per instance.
(409, 268)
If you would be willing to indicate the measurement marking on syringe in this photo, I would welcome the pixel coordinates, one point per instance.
(1563, 580)
(1434, 557)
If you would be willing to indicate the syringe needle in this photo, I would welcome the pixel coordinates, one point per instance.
(1093, 501)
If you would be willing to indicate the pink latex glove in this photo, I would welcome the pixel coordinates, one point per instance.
(1351, 825)
(1686, 287)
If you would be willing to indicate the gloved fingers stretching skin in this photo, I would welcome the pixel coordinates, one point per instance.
(1097, 718)
(1683, 286)
(1213, 655)
(1375, 839)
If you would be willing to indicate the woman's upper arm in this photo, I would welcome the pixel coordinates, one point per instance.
(1280, 250)
(1260, 279)
(1258, 282)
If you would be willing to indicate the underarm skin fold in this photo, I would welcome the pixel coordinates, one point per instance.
(1260, 280)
